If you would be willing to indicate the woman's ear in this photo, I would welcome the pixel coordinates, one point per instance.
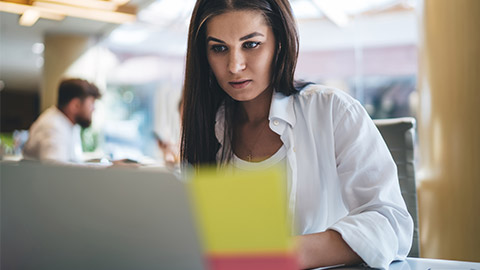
(211, 77)
(277, 53)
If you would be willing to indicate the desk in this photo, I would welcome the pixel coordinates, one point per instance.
(425, 264)
(433, 264)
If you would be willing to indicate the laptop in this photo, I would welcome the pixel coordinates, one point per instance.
(59, 217)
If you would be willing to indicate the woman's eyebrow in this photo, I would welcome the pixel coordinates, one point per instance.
(215, 39)
(254, 34)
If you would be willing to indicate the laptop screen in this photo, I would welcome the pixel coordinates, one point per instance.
(58, 217)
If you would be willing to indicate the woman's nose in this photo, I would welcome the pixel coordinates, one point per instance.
(236, 62)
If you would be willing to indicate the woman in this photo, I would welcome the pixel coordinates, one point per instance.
(243, 108)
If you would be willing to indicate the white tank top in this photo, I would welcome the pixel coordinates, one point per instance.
(279, 159)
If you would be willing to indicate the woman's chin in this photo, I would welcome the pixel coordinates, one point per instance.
(243, 96)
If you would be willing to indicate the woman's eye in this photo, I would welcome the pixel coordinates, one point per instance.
(218, 48)
(250, 44)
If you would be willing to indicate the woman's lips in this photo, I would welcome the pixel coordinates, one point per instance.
(240, 84)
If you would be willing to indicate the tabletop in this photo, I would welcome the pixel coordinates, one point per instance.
(422, 264)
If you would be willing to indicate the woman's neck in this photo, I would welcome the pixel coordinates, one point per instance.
(256, 110)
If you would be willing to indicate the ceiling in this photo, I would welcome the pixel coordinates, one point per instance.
(164, 29)
(20, 67)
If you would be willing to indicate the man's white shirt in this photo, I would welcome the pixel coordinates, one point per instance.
(53, 137)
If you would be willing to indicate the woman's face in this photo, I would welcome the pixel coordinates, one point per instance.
(240, 51)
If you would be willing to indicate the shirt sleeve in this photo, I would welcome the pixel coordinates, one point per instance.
(378, 227)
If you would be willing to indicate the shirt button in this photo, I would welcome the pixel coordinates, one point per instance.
(294, 149)
(276, 122)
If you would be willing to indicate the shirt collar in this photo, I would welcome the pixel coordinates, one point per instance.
(62, 116)
(282, 109)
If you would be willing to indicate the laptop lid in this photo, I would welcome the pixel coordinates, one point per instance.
(58, 217)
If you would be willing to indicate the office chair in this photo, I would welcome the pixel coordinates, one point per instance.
(399, 134)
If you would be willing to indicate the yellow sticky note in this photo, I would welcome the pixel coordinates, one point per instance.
(243, 212)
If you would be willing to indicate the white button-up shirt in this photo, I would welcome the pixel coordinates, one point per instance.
(341, 173)
(53, 137)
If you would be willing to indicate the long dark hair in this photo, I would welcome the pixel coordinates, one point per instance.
(202, 96)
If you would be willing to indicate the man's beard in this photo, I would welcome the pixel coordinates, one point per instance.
(83, 122)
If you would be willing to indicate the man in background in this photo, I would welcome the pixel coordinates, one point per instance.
(55, 135)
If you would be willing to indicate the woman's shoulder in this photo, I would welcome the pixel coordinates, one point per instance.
(326, 95)
(320, 101)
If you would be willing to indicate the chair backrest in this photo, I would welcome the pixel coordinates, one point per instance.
(399, 134)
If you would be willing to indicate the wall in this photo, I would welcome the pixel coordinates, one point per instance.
(61, 51)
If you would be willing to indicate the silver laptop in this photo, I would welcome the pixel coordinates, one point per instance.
(57, 217)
